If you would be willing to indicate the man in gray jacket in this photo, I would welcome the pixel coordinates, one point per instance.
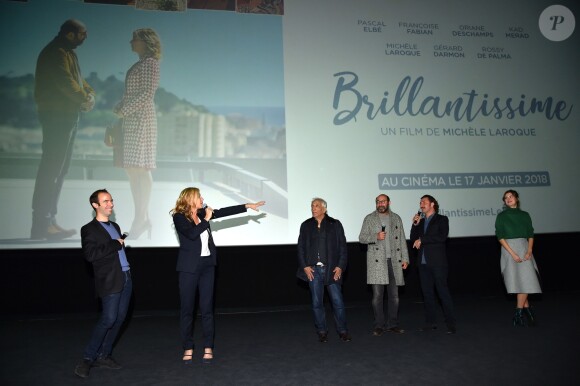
(387, 257)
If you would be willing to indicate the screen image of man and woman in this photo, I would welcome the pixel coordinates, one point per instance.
(145, 104)
(282, 105)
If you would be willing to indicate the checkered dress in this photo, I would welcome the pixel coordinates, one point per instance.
(139, 148)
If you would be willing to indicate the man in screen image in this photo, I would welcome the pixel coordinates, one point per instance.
(428, 235)
(61, 94)
(322, 260)
(387, 257)
(104, 247)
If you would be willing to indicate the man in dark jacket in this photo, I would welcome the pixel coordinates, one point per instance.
(61, 94)
(103, 246)
(322, 260)
(428, 235)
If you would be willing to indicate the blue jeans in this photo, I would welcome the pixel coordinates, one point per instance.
(335, 294)
(115, 308)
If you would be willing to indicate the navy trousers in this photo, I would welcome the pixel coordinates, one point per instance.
(189, 284)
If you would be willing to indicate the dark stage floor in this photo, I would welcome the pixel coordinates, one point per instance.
(279, 347)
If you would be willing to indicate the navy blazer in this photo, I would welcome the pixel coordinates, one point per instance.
(433, 240)
(189, 233)
(337, 254)
(103, 252)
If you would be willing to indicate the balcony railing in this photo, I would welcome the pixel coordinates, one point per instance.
(220, 175)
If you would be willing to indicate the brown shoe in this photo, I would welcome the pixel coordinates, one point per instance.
(396, 330)
(54, 232)
(61, 229)
(378, 331)
(345, 337)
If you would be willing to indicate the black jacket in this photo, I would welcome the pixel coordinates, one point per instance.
(433, 240)
(189, 253)
(103, 252)
(335, 247)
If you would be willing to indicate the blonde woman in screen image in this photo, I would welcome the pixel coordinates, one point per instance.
(196, 261)
(136, 152)
(513, 228)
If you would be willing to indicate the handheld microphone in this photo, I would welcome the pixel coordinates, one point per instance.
(420, 214)
(383, 228)
(201, 211)
(124, 235)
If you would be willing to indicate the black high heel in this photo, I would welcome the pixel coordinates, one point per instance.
(205, 360)
(188, 358)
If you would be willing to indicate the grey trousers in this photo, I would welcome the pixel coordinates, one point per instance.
(392, 298)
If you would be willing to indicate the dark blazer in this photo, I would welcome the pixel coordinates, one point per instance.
(189, 241)
(103, 252)
(432, 241)
(335, 247)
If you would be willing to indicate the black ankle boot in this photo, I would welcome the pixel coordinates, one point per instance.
(519, 318)
(530, 316)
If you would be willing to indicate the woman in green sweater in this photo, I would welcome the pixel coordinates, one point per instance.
(513, 228)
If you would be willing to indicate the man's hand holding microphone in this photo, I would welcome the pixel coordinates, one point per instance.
(417, 218)
(382, 234)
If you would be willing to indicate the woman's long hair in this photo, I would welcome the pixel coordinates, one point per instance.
(182, 205)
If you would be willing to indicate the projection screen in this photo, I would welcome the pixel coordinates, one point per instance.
(337, 99)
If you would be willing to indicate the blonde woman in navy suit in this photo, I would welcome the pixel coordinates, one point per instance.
(196, 263)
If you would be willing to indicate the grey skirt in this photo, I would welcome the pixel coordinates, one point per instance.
(519, 278)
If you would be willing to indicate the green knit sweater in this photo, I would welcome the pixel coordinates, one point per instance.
(513, 223)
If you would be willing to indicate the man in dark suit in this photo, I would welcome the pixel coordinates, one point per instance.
(428, 235)
(322, 259)
(103, 246)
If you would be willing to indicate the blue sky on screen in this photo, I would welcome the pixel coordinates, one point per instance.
(212, 58)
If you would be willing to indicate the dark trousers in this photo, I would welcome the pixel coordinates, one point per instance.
(378, 301)
(115, 308)
(435, 277)
(189, 283)
(58, 135)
